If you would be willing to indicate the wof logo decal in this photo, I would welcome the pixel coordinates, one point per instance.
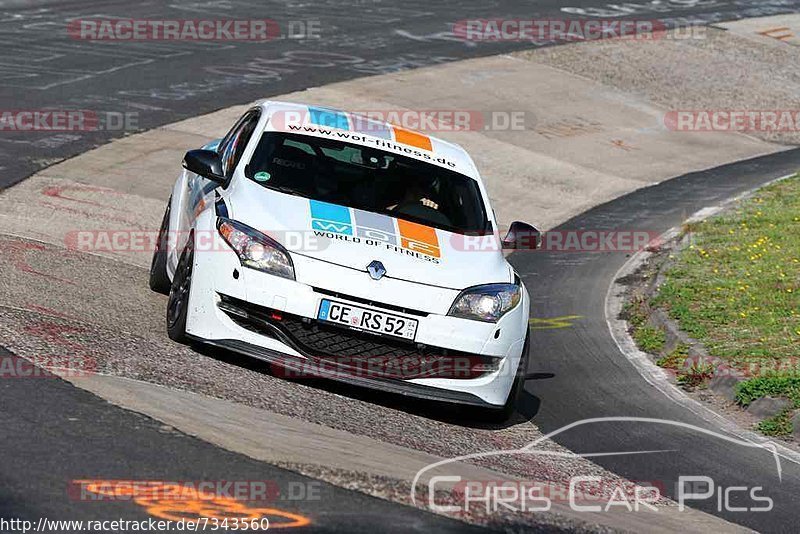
(376, 229)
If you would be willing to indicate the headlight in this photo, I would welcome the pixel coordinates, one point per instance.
(256, 250)
(486, 303)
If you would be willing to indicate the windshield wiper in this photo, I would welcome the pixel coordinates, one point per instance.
(284, 189)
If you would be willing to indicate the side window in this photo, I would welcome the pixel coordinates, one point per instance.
(226, 141)
(232, 147)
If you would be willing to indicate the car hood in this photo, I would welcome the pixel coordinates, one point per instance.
(354, 238)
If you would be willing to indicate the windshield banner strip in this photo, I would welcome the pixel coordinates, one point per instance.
(415, 139)
(364, 125)
(331, 118)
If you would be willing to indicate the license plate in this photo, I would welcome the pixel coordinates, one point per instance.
(367, 320)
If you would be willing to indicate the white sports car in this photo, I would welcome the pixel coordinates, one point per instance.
(332, 245)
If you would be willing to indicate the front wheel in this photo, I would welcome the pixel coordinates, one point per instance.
(178, 304)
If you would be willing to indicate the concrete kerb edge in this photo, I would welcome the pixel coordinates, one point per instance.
(655, 375)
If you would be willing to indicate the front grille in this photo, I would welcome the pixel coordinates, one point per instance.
(356, 351)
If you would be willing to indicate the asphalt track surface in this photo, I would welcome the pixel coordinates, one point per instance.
(54, 433)
(47, 424)
(160, 82)
(586, 376)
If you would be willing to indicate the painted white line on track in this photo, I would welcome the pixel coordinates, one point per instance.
(655, 375)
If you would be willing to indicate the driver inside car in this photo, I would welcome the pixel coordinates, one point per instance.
(415, 193)
(416, 203)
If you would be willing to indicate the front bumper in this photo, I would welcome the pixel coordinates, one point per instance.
(296, 367)
(454, 360)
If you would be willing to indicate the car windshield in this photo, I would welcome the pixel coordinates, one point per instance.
(372, 180)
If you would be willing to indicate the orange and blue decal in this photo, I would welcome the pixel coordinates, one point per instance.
(330, 218)
(418, 237)
(331, 118)
(374, 228)
(411, 138)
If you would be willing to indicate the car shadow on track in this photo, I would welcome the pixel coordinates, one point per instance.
(527, 404)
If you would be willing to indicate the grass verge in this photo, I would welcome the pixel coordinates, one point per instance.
(736, 289)
(649, 339)
(780, 425)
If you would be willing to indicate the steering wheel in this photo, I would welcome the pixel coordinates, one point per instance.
(417, 209)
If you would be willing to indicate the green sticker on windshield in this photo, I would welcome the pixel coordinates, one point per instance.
(262, 176)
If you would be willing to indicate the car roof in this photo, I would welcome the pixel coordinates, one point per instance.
(360, 129)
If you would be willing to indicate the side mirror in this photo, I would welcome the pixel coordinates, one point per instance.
(522, 236)
(205, 163)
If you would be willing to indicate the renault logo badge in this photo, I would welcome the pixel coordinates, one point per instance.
(376, 270)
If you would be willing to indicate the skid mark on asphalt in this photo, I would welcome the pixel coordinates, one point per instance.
(44, 310)
(57, 191)
(91, 215)
(59, 283)
(55, 334)
(69, 356)
(17, 250)
(63, 350)
(90, 193)
(50, 209)
(60, 211)
(78, 348)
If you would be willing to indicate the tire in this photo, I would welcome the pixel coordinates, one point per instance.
(502, 413)
(178, 304)
(159, 281)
